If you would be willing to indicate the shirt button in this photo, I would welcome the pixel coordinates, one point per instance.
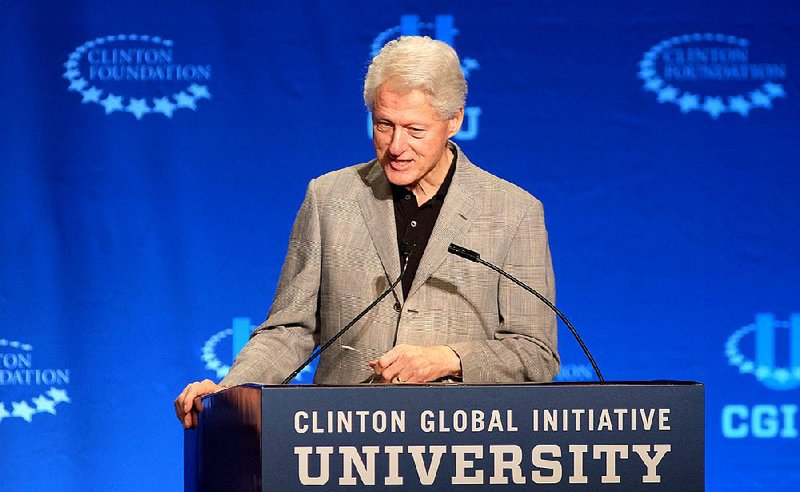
(397, 307)
(413, 223)
(408, 197)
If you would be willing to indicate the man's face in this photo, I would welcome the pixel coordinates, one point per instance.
(410, 140)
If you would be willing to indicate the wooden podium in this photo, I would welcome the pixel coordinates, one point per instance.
(556, 436)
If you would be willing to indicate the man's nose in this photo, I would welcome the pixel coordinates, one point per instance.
(399, 142)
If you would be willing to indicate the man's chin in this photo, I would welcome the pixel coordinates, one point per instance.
(398, 178)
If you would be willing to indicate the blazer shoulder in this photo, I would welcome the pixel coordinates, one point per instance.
(343, 182)
(497, 189)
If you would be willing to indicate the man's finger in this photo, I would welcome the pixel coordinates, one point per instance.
(198, 404)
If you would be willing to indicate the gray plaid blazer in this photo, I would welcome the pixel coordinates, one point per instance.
(343, 253)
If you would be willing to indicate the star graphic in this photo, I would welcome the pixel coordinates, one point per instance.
(164, 105)
(71, 74)
(71, 64)
(762, 372)
(714, 106)
(26, 346)
(138, 107)
(3, 342)
(468, 65)
(760, 99)
(58, 395)
(43, 404)
(653, 85)
(740, 105)
(774, 90)
(688, 102)
(22, 410)
(3, 411)
(746, 367)
(112, 103)
(92, 94)
(782, 375)
(77, 85)
(668, 93)
(184, 100)
(646, 73)
(200, 91)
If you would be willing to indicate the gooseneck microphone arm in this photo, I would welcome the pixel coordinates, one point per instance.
(470, 255)
(316, 353)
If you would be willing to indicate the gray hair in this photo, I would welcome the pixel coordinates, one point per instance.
(419, 62)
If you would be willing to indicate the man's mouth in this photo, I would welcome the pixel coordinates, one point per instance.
(400, 164)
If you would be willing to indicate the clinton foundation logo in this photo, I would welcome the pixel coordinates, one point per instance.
(221, 349)
(712, 73)
(26, 389)
(442, 28)
(136, 74)
(768, 351)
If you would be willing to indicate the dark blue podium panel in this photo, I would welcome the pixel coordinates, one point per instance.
(570, 437)
(565, 436)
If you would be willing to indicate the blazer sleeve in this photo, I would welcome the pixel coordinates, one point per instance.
(290, 332)
(523, 347)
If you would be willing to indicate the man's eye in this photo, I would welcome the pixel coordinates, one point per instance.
(382, 126)
(417, 132)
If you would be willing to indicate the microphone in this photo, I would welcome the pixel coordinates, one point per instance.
(406, 250)
(473, 256)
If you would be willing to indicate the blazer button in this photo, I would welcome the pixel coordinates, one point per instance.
(397, 307)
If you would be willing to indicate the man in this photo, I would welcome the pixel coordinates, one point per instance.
(452, 319)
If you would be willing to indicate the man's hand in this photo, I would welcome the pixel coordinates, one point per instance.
(416, 364)
(188, 404)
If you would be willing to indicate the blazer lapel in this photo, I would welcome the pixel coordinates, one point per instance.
(377, 208)
(458, 211)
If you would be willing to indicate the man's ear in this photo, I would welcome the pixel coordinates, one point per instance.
(454, 123)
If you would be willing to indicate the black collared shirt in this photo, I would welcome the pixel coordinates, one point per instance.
(415, 223)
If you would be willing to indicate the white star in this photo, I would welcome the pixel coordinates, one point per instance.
(668, 93)
(71, 64)
(200, 91)
(92, 94)
(688, 102)
(58, 395)
(138, 107)
(763, 372)
(760, 99)
(26, 346)
(740, 105)
(184, 100)
(781, 375)
(774, 90)
(22, 410)
(3, 342)
(646, 73)
(164, 105)
(112, 103)
(714, 106)
(3, 412)
(653, 85)
(44, 405)
(71, 73)
(77, 85)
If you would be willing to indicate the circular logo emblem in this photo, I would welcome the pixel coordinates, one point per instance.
(26, 390)
(711, 73)
(137, 74)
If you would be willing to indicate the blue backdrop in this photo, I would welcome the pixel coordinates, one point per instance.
(154, 156)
